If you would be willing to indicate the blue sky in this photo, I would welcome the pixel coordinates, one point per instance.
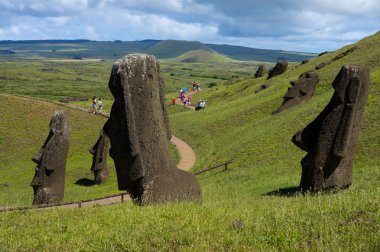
(297, 25)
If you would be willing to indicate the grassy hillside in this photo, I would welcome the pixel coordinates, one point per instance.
(198, 56)
(173, 48)
(257, 191)
(246, 53)
(24, 128)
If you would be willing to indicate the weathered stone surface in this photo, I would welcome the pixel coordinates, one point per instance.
(99, 159)
(301, 90)
(260, 71)
(331, 138)
(49, 179)
(278, 69)
(304, 62)
(139, 133)
(323, 53)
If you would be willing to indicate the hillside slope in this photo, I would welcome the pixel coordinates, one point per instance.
(252, 206)
(173, 48)
(24, 128)
(205, 56)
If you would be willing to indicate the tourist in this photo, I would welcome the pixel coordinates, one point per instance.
(93, 106)
(198, 87)
(100, 105)
(189, 99)
(194, 85)
(173, 100)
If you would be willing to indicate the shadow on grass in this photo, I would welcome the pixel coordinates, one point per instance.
(84, 182)
(286, 191)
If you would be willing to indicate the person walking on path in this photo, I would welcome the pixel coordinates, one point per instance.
(93, 106)
(100, 105)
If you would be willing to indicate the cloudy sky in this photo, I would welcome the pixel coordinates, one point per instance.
(298, 25)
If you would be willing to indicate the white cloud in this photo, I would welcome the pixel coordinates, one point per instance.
(313, 26)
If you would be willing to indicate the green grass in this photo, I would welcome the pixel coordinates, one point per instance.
(236, 124)
(202, 56)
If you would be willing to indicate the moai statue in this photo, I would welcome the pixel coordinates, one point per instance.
(331, 138)
(49, 179)
(260, 71)
(301, 90)
(139, 133)
(99, 160)
(278, 69)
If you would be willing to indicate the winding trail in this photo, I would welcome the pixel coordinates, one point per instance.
(186, 153)
(186, 162)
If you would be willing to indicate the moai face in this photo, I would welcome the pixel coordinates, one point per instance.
(331, 138)
(49, 178)
(301, 90)
(99, 159)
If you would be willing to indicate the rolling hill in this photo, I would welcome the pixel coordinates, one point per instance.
(202, 55)
(258, 192)
(162, 49)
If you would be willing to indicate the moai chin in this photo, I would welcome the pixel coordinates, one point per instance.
(49, 178)
(301, 90)
(99, 160)
(139, 134)
(330, 139)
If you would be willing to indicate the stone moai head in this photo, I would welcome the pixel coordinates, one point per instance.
(49, 179)
(278, 69)
(301, 90)
(139, 133)
(99, 158)
(260, 71)
(330, 139)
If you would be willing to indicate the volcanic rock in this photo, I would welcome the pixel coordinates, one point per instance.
(279, 68)
(99, 159)
(330, 139)
(301, 90)
(49, 178)
(139, 133)
(260, 71)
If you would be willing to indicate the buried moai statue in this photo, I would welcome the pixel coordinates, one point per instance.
(331, 138)
(139, 134)
(99, 160)
(260, 71)
(278, 69)
(301, 90)
(49, 178)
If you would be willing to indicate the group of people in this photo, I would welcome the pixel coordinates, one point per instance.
(93, 105)
(187, 100)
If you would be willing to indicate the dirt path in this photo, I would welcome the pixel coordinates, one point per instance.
(186, 154)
